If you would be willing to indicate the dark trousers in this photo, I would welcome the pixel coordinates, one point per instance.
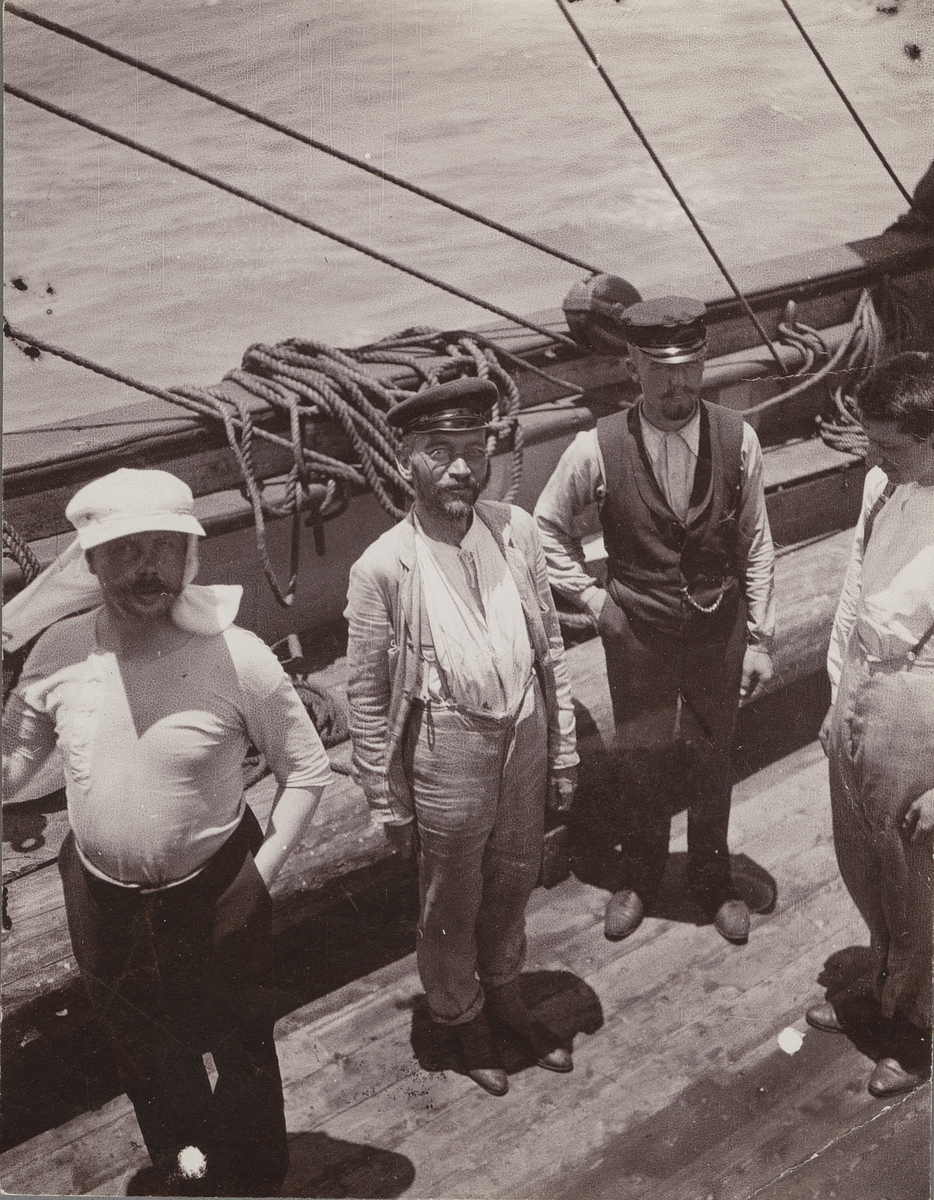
(675, 700)
(176, 973)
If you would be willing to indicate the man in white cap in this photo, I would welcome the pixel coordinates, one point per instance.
(687, 614)
(152, 696)
(462, 719)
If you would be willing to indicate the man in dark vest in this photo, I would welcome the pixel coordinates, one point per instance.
(687, 614)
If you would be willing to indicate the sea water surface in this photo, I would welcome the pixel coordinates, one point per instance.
(492, 104)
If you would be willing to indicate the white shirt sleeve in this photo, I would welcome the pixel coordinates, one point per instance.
(758, 571)
(577, 482)
(275, 718)
(848, 604)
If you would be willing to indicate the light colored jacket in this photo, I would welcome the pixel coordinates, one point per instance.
(388, 626)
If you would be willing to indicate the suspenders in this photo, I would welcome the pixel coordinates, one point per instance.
(881, 500)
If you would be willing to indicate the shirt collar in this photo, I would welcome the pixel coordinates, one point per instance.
(689, 433)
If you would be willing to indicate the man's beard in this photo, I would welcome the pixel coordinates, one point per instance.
(678, 403)
(457, 504)
(454, 503)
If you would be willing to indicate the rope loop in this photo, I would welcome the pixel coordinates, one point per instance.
(842, 370)
(307, 380)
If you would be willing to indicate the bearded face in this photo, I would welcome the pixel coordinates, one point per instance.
(449, 469)
(670, 391)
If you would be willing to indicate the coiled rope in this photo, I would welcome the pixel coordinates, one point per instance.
(842, 369)
(307, 380)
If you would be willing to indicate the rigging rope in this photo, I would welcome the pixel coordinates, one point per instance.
(766, 340)
(840, 428)
(241, 194)
(849, 107)
(288, 131)
(853, 359)
(19, 550)
(302, 379)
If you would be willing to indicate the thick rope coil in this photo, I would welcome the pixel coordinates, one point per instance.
(16, 548)
(302, 379)
(842, 371)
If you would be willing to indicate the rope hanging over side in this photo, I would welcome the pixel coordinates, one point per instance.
(16, 548)
(841, 370)
(305, 379)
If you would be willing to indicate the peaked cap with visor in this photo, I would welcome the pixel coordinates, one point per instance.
(672, 329)
(462, 405)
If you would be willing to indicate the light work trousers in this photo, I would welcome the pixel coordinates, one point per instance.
(881, 755)
(479, 787)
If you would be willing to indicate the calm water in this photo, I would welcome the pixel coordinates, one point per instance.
(491, 103)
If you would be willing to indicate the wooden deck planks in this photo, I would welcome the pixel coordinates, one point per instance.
(681, 1092)
(343, 851)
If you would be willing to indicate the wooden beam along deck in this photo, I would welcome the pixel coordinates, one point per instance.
(680, 1088)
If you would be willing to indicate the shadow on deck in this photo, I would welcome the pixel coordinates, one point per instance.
(57, 1064)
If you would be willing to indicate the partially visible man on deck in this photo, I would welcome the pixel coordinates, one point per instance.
(879, 732)
(153, 697)
(461, 718)
(687, 615)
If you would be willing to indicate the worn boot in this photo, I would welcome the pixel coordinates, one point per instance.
(890, 1078)
(479, 1056)
(824, 1017)
(506, 1009)
(731, 920)
(623, 916)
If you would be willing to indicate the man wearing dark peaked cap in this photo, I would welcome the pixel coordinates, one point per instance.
(687, 615)
(462, 720)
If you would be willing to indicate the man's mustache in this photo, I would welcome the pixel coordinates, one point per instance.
(150, 585)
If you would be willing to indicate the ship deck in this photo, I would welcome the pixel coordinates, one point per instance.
(680, 1087)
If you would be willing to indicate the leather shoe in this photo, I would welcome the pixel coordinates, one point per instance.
(624, 914)
(731, 921)
(506, 1009)
(491, 1079)
(480, 1057)
(824, 1017)
(559, 1060)
(890, 1078)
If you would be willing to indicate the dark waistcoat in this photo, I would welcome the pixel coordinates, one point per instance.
(661, 570)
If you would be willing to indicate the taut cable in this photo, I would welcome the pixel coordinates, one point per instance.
(766, 340)
(284, 213)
